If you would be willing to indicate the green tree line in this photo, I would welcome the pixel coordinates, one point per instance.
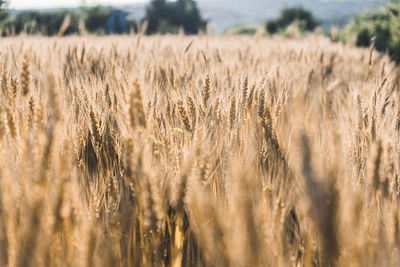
(162, 17)
(90, 19)
(380, 28)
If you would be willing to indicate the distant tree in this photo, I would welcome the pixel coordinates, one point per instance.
(189, 17)
(96, 18)
(4, 13)
(155, 12)
(163, 17)
(34, 22)
(305, 19)
(363, 38)
(381, 27)
(272, 27)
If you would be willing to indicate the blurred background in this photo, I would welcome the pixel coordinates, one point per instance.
(361, 22)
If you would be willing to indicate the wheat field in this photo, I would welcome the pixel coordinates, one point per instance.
(198, 151)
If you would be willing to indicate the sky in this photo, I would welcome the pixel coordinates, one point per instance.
(27, 4)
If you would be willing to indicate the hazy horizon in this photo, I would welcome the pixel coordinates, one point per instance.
(29, 4)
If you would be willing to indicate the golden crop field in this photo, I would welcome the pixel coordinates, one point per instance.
(198, 151)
